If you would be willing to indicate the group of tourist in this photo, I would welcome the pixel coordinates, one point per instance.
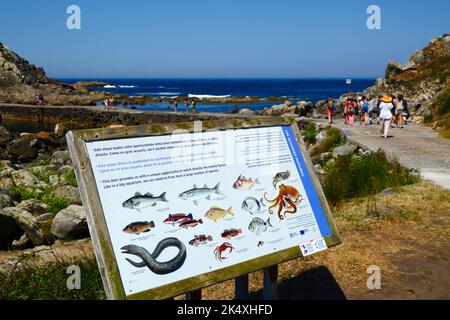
(110, 104)
(389, 110)
(39, 100)
(187, 106)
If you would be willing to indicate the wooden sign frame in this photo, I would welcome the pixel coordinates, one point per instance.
(103, 248)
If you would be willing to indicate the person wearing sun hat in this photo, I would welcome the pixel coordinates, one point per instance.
(385, 115)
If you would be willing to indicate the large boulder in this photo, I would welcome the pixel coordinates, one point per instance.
(68, 192)
(70, 223)
(25, 178)
(20, 148)
(30, 225)
(344, 150)
(16, 221)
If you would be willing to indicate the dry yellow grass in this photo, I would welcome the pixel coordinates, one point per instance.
(418, 227)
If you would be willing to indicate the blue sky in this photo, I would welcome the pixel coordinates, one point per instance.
(209, 38)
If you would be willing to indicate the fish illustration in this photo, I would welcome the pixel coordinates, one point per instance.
(253, 205)
(139, 227)
(244, 183)
(177, 218)
(258, 225)
(280, 176)
(191, 223)
(200, 240)
(230, 233)
(140, 201)
(195, 194)
(217, 213)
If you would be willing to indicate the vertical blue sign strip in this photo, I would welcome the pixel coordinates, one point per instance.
(307, 181)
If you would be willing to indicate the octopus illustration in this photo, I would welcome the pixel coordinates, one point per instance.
(287, 200)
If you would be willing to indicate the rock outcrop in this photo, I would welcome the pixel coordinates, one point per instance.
(21, 82)
(421, 79)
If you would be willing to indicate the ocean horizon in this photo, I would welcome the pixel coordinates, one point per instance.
(296, 89)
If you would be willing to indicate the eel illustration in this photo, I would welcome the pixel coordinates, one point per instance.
(149, 259)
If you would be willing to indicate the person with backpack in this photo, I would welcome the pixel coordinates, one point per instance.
(399, 112)
(330, 109)
(364, 111)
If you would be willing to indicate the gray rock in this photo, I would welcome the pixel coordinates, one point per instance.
(68, 192)
(25, 178)
(344, 150)
(22, 244)
(21, 148)
(5, 201)
(70, 223)
(33, 206)
(18, 219)
(246, 112)
(9, 230)
(5, 136)
(6, 184)
(321, 136)
(67, 169)
(408, 66)
(30, 225)
(60, 157)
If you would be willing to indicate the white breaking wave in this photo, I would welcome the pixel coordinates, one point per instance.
(207, 96)
(165, 93)
(108, 86)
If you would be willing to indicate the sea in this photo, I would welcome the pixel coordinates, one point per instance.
(293, 89)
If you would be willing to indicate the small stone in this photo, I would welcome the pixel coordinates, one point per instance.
(5, 201)
(25, 178)
(68, 192)
(344, 150)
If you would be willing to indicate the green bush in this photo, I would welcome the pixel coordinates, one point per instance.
(443, 102)
(55, 204)
(310, 132)
(38, 281)
(333, 140)
(369, 174)
(71, 179)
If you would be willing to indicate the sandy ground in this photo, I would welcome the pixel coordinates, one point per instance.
(415, 146)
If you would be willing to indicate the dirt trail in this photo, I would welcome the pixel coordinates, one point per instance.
(415, 146)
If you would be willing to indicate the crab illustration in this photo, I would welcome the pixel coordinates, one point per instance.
(224, 246)
(288, 198)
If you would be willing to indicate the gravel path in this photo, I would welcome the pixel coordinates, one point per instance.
(415, 146)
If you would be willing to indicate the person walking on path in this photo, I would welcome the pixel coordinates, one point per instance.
(348, 111)
(330, 110)
(400, 111)
(385, 115)
(364, 111)
(186, 105)
(175, 106)
(193, 106)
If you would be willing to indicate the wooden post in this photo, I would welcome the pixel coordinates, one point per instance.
(194, 295)
(241, 287)
(270, 291)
